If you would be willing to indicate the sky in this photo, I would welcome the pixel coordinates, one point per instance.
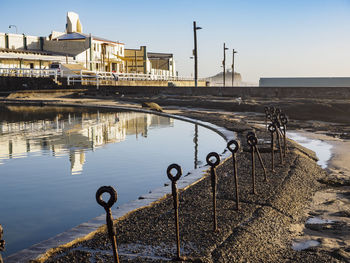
(300, 38)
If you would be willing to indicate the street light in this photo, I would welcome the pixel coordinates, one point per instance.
(13, 26)
(224, 62)
(195, 28)
(233, 65)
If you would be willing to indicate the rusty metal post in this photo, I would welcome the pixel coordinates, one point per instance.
(266, 109)
(278, 133)
(212, 165)
(252, 141)
(261, 162)
(2, 243)
(284, 121)
(175, 194)
(272, 130)
(109, 219)
(234, 151)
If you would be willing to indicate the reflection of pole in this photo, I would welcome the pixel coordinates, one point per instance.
(195, 140)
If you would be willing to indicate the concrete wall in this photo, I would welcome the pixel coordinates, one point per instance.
(72, 48)
(16, 41)
(14, 83)
(245, 92)
(2, 40)
(304, 82)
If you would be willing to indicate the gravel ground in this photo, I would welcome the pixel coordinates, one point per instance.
(258, 232)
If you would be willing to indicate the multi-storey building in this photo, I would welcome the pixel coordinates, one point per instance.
(75, 47)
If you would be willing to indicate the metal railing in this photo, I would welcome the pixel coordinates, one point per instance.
(87, 77)
(27, 72)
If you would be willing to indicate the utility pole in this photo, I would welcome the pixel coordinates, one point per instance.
(195, 28)
(233, 65)
(224, 62)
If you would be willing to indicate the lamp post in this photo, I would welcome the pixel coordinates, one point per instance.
(195, 28)
(10, 26)
(224, 62)
(233, 65)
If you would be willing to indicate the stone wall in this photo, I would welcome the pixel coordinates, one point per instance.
(162, 88)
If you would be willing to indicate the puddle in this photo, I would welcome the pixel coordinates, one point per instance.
(317, 220)
(321, 148)
(302, 245)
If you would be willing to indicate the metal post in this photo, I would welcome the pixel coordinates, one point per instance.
(109, 219)
(233, 65)
(212, 165)
(174, 179)
(195, 28)
(224, 64)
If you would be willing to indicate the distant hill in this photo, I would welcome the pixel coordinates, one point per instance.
(217, 80)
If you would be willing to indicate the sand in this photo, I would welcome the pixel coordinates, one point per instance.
(314, 227)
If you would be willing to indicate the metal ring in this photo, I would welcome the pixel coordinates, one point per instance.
(178, 172)
(272, 128)
(235, 149)
(252, 141)
(266, 109)
(272, 109)
(268, 116)
(217, 157)
(250, 134)
(284, 121)
(278, 111)
(282, 115)
(112, 199)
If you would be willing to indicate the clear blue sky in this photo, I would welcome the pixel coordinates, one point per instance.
(273, 38)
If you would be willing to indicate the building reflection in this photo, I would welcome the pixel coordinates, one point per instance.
(73, 134)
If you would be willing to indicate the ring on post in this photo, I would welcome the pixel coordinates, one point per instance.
(251, 134)
(236, 146)
(112, 199)
(217, 159)
(272, 128)
(252, 141)
(178, 169)
(284, 120)
(282, 115)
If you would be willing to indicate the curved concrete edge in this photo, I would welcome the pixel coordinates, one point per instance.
(87, 229)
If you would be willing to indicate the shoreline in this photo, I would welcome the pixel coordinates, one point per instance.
(239, 128)
(86, 229)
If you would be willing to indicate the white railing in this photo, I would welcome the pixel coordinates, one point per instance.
(27, 72)
(86, 77)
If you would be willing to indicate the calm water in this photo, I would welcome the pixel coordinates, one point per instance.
(52, 161)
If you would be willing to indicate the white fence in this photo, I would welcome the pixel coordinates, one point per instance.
(26, 72)
(86, 77)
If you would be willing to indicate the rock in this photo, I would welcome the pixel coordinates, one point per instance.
(152, 106)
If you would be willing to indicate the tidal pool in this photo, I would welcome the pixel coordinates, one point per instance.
(320, 147)
(52, 161)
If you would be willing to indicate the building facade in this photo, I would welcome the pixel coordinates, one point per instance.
(74, 47)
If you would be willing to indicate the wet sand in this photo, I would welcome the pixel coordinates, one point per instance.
(261, 231)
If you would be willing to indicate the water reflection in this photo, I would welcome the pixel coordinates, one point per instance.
(73, 133)
(40, 146)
